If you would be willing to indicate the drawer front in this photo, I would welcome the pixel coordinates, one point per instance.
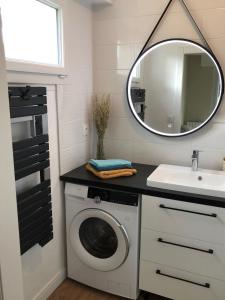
(196, 221)
(177, 284)
(187, 254)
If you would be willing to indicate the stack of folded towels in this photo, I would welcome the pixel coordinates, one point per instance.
(110, 168)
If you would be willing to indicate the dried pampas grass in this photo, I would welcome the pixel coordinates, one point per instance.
(101, 109)
(101, 113)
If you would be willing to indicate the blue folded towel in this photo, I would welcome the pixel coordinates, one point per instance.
(110, 164)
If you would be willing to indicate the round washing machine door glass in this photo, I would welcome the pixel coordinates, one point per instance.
(99, 240)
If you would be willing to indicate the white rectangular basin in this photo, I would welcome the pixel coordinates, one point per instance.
(204, 182)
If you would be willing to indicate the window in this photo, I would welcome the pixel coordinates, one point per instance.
(31, 32)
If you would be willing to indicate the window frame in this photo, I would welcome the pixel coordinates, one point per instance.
(17, 65)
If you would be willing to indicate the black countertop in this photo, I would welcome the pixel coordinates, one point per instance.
(137, 184)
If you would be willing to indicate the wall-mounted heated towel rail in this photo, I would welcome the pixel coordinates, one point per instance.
(31, 156)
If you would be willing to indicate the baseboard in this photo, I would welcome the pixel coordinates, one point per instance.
(49, 288)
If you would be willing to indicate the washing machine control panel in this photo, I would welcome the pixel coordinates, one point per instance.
(112, 196)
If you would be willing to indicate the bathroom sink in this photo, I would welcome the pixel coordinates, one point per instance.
(204, 182)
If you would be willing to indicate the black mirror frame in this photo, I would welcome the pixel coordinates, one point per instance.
(210, 116)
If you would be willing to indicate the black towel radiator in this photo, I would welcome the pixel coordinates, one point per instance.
(31, 155)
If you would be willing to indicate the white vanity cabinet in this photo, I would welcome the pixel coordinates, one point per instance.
(182, 253)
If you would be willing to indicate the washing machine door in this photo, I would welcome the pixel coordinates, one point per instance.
(98, 239)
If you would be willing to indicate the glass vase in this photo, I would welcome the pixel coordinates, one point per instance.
(100, 147)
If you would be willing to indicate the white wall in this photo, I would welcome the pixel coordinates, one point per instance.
(74, 110)
(10, 263)
(119, 32)
(68, 100)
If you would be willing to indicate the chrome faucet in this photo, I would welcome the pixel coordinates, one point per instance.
(195, 156)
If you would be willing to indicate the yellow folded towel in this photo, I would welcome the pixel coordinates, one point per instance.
(111, 173)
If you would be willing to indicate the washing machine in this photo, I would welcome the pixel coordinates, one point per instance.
(103, 238)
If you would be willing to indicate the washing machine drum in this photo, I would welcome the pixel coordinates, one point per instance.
(98, 239)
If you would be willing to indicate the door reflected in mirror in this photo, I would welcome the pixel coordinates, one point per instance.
(175, 87)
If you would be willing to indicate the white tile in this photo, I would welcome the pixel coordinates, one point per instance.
(75, 106)
(213, 22)
(179, 25)
(105, 57)
(146, 7)
(81, 57)
(167, 29)
(220, 114)
(74, 157)
(114, 56)
(218, 45)
(119, 128)
(81, 80)
(125, 56)
(78, 23)
(205, 4)
(114, 31)
(211, 159)
(156, 154)
(119, 81)
(211, 137)
(71, 134)
(103, 81)
(76, 90)
(115, 148)
(119, 106)
(137, 49)
(112, 81)
(143, 27)
(119, 9)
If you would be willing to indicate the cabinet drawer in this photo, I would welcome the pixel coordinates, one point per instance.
(196, 221)
(177, 284)
(187, 254)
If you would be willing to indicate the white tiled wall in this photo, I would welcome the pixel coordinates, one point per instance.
(119, 32)
(76, 92)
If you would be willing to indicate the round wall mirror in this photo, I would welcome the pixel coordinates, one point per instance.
(175, 87)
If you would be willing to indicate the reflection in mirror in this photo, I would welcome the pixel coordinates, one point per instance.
(175, 87)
